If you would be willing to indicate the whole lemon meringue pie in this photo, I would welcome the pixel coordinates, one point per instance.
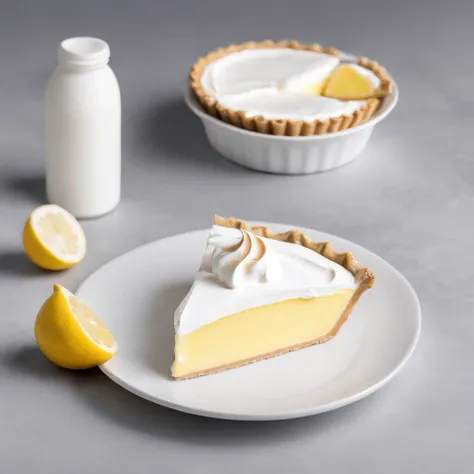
(288, 88)
(259, 294)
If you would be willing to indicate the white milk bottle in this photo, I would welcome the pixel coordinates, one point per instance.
(83, 131)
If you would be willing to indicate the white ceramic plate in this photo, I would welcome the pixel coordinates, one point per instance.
(136, 296)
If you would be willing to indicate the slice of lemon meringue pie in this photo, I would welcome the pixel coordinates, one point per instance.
(259, 294)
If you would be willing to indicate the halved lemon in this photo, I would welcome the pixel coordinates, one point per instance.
(70, 335)
(53, 239)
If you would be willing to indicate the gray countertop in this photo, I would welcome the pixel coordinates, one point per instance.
(409, 198)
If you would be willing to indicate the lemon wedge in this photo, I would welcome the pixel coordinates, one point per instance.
(348, 83)
(53, 239)
(70, 335)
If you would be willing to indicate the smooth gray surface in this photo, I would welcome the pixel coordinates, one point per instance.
(409, 198)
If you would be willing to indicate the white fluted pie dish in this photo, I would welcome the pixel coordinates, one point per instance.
(286, 154)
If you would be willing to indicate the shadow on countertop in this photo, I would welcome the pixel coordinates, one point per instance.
(171, 129)
(125, 409)
(121, 408)
(31, 187)
(15, 262)
(28, 361)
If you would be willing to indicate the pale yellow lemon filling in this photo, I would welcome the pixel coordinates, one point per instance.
(257, 332)
(348, 84)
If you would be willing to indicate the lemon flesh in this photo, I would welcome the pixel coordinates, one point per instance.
(53, 239)
(70, 335)
(348, 84)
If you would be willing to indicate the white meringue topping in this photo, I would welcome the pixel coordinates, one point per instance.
(273, 104)
(231, 279)
(242, 258)
(279, 68)
(277, 83)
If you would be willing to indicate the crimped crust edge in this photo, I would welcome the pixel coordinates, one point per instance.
(281, 127)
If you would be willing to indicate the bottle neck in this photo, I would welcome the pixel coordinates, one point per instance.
(83, 54)
(67, 66)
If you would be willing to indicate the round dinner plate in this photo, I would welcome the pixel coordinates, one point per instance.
(136, 296)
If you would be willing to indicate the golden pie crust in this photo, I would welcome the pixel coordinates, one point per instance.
(364, 277)
(286, 127)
